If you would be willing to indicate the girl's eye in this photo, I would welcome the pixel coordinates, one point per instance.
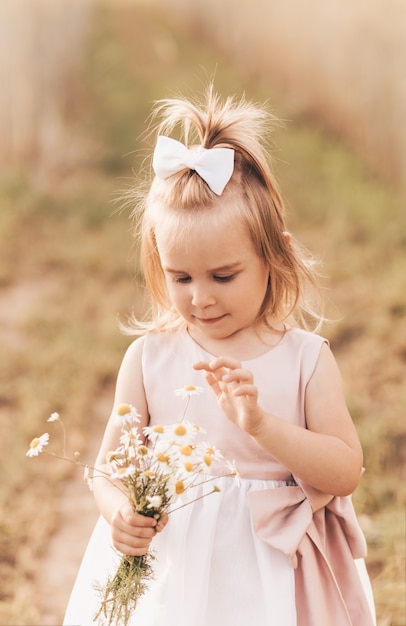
(181, 279)
(224, 279)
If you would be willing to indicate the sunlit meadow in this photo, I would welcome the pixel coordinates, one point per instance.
(67, 270)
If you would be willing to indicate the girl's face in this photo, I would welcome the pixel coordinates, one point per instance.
(215, 279)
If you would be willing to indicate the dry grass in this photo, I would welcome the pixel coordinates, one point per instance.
(65, 272)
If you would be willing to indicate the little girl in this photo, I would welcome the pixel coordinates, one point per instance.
(232, 295)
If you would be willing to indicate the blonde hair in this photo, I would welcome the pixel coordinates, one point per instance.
(252, 194)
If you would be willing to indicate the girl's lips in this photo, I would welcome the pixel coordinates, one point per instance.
(210, 320)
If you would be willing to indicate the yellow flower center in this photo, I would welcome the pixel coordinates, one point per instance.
(180, 430)
(123, 409)
(190, 388)
(158, 429)
(210, 451)
(207, 459)
(179, 487)
(149, 474)
(162, 458)
(142, 450)
(186, 450)
(189, 466)
(34, 443)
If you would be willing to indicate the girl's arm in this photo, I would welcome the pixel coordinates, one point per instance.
(327, 454)
(131, 532)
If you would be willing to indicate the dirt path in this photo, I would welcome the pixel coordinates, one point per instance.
(75, 509)
(77, 513)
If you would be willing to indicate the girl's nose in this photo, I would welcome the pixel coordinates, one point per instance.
(202, 297)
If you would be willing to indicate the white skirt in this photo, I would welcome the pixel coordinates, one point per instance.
(210, 568)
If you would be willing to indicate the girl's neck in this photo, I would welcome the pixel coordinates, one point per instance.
(246, 344)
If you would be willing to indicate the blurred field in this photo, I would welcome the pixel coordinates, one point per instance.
(40, 44)
(341, 63)
(67, 269)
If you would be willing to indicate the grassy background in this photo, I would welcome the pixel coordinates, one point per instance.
(67, 270)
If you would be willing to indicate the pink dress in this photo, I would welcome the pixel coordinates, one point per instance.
(268, 551)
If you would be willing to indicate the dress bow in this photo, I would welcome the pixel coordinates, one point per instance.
(321, 536)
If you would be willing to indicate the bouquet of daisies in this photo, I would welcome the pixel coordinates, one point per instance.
(153, 467)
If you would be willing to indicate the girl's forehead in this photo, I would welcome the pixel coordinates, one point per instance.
(204, 246)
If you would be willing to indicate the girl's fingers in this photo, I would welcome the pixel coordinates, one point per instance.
(246, 390)
(125, 519)
(224, 368)
(129, 550)
(226, 363)
(212, 375)
(130, 531)
(222, 362)
(139, 520)
(135, 539)
(213, 383)
(161, 523)
(129, 545)
(202, 365)
(238, 376)
(225, 371)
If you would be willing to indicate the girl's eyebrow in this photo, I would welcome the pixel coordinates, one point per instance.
(224, 268)
(227, 268)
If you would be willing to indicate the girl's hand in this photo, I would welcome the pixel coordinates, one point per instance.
(132, 532)
(235, 391)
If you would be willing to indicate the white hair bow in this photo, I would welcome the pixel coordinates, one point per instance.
(215, 165)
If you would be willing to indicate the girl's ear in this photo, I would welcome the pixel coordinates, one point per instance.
(287, 236)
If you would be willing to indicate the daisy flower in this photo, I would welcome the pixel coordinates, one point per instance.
(234, 472)
(178, 433)
(154, 432)
(176, 487)
(123, 472)
(188, 467)
(54, 417)
(188, 391)
(162, 456)
(154, 502)
(188, 454)
(130, 439)
(212, 451)
(126, 414)
(37, 445)
(115, 458)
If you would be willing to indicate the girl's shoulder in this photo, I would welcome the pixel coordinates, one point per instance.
(160, 344)
(136, 347)
(299, 336)
(303, 346)
(133, 355)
